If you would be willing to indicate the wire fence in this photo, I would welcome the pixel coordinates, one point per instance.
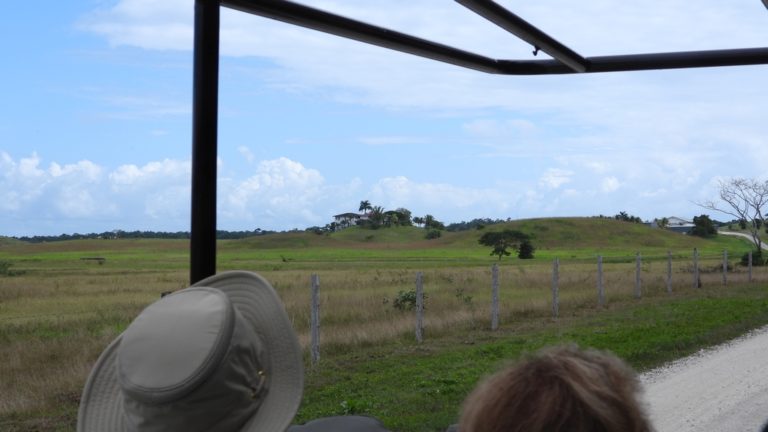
(612, 278)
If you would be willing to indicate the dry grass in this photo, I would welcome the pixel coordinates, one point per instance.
(53, 325)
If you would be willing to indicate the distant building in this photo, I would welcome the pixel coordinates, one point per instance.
(679, 225)
(348, 219)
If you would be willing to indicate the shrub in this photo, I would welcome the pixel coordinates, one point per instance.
(433, 234)
(5, 269)
(757, 259)
(526, 250)
(406, 300)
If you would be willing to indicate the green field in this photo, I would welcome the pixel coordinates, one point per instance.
(58, 310)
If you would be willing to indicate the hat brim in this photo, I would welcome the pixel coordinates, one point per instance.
(101, 405)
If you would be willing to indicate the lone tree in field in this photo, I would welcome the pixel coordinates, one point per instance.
(503, 241)
(745, 199)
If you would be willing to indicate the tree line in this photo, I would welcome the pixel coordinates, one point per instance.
(120, 234)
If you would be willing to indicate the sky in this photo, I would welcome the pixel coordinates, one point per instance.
(95, 118)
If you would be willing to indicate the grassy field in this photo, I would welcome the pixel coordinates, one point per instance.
(58, 311)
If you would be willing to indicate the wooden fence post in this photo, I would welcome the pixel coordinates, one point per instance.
(725, 267)
(495, 297)
(638, 268)
(555, 281)
(669, 272)
(419, 307)
(750, 266)
(696, 280)
(600, 287)
(315, 321)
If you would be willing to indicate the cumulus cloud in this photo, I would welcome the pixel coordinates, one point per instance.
(133, 177)
(281, 191)
(441, 199)
(69, 190)
(88, 194)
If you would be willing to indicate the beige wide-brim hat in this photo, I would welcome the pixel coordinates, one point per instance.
(196, 356)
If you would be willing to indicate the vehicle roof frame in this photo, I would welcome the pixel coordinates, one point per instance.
(564, 61)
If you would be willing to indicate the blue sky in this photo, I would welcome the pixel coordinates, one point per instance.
(96, 116)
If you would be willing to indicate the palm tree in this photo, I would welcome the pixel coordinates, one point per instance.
(418, 220)
(377, 215)
(365, 206)
(428, 221)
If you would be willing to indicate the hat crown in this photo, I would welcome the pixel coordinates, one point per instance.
(175, 344)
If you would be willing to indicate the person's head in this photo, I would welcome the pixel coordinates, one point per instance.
(561, 388)
(220, 356)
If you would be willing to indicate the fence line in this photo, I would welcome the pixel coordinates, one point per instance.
(419, 307)
(555, 288)
(669, 272)
(495, 297)
(638, 281)
(555, 291)
(600, 286)
(696, 277)
(315, 321)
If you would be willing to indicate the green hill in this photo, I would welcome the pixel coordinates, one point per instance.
(563, 237)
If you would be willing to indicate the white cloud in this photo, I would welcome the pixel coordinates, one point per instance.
(132, 177)
(68, 191)
(440, 199)
(246, 153)
(145, 23)
(20, 182)
(553, 178)
(281, 192)
(610, 184)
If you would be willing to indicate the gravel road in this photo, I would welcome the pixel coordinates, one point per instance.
(720, 389)
(746, 236)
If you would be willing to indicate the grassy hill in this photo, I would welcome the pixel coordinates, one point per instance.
(564, 237)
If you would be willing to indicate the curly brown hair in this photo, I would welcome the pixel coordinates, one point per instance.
(561, 388)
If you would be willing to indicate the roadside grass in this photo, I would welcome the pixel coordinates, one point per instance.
(420, 387)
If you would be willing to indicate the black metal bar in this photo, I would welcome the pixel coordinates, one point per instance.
(524, 30)
(637, 62)
(305, 16)
(679, 60)
(204, 140)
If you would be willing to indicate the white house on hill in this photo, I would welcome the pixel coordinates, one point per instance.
(349, 219)
(677, 224)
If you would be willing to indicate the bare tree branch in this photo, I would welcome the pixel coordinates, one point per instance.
(744, 199)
